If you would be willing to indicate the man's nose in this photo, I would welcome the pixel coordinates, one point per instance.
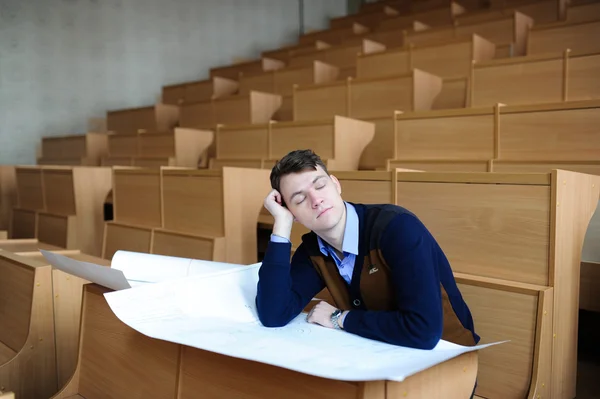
(316, 200)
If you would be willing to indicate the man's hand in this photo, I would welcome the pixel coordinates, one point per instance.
(321, 314)
(283, 217)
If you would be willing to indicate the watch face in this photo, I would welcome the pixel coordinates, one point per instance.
(336, 312)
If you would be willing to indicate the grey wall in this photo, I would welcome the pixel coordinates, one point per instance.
(64, 61)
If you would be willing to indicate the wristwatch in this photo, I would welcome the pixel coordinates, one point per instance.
(335, 319)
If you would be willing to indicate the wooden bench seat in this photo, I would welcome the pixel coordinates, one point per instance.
(558, 37)
(254, 107)
(438, 16)
(62, 206)
(204, 90)
(156, 118)
(286, 53)
(233, 71)
(364, 98)
(187, 211)
(85, 149)
(334, 36)
(450, 59)
(535, 79)
(282, 81)
(117, 361)
(338, 139)
(27, 353)
(182, 147)
(503, 31)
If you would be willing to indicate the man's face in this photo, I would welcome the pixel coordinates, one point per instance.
(314, 198)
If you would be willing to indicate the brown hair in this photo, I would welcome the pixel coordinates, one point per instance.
(294, 162)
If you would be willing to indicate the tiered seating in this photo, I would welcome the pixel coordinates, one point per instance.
(233, 71)
(186, 212)
(86, 150)
(364, 98)
(203, 90)
(435, 17)
(335, 35)
(61, 206)
(339, 140)
(285, 53)
(182, 147)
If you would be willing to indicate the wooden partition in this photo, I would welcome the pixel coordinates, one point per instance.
(84, 149)
(204, 90)
(119, 236)
(450, 59)
(8, 194)
(339, 140)
(501, 31)
(30, 188)
(342, 56)
(282, 81)
(27, 339)
(286, 53)
(136, 196)
(364, 98)
(254, 107)
(233, 71)
(334, 36)
(166, 370)
(557, 37)
(535, 79)
(156, 118)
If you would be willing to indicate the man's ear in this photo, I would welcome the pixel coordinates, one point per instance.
(337, 183)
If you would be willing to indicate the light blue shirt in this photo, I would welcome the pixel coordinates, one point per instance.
(349, 245)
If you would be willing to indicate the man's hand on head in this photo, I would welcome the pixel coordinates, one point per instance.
(321, 314)
(283, 217)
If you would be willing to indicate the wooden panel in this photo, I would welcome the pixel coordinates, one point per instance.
(592, 168)
(16, 293)
(582, 79)
(193, 203)
(59, 190)
(383, 64)
(490, 230)
(173, 94)
(373, 98)
(123, 145)
(575, 37)
(201, 371)
(519, 83)
(366, 191)
(286, 112)
(137, 197)
(261, 82)
(56, 230)
(583, 13)
(320, 102)
(289, 137)
(504, 370)
(589, 295)
(29, 188)
(263, 106)
(340, 56)
(243, 142)
(64, 147)
(26, 245)
(117, 361)
(557, 135)
(24, 223)
(287, 78)
(199, 91)
(233, 110)
(446, 61)
(453, 94)
(456, 138)
(198, 114)
(8, 194)
(498, 31)
(157, 145)
(184, 246)
(127, 238)
(382, 147)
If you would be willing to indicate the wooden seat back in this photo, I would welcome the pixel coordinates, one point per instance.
(564, 35)
(204, 90)
(90, 146)
(157, 118)
(233, 71)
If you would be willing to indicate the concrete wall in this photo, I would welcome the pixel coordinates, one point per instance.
(64, 61)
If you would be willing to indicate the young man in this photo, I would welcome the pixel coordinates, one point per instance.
(388, 276)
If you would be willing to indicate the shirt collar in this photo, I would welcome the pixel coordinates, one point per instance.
(350, 243)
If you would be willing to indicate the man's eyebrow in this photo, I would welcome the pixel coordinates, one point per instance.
(313, 182)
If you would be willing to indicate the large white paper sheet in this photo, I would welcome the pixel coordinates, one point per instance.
(217, 313)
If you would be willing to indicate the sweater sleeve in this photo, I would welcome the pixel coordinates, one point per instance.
(411, 252)
(284, 289)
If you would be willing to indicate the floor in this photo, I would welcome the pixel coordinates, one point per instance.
(588, 365)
